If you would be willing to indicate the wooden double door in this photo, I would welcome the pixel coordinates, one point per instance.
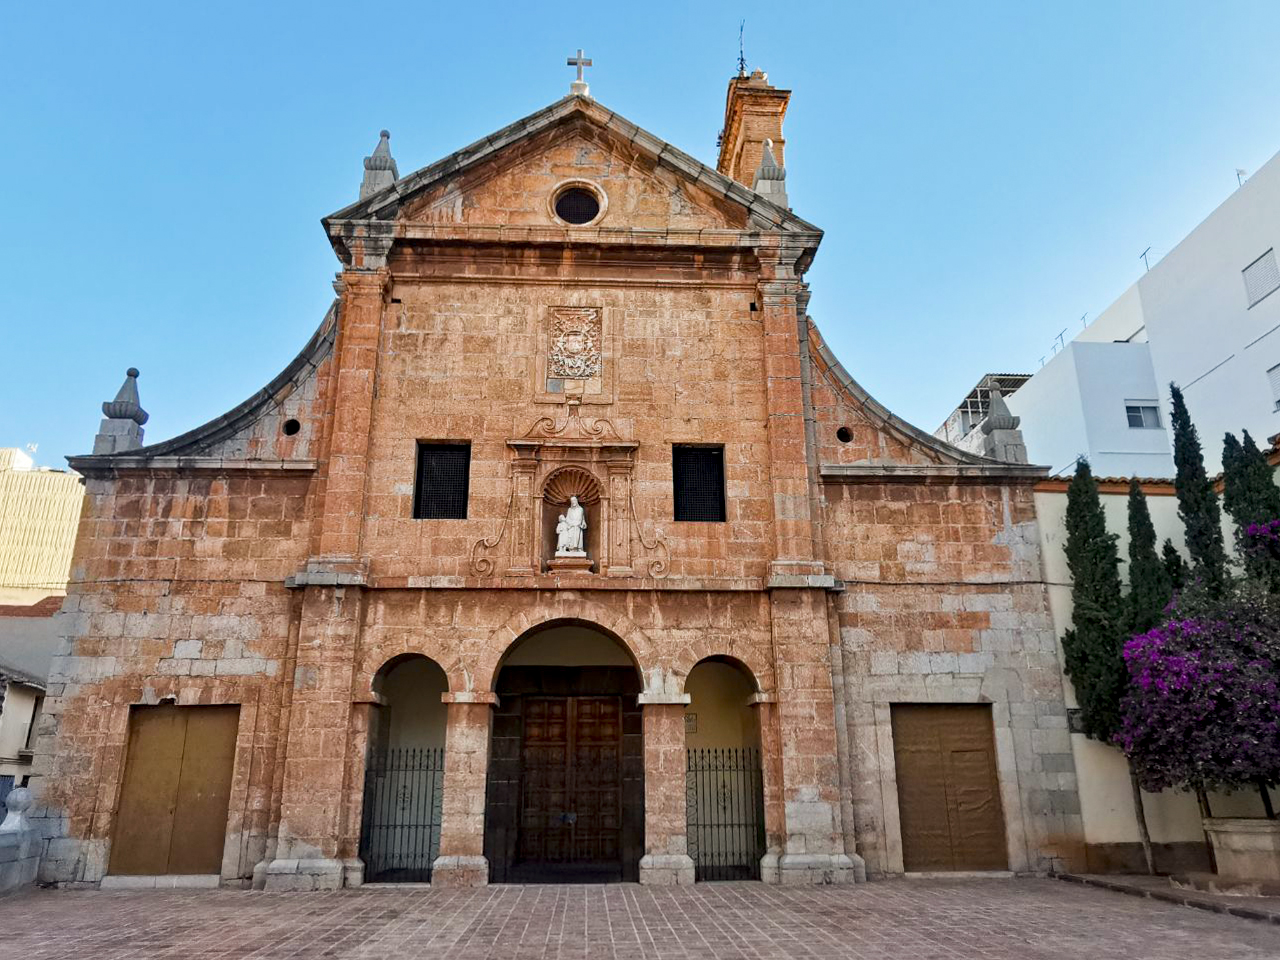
(172, 815)
(948, 788)
(571, 810)
(565, 792)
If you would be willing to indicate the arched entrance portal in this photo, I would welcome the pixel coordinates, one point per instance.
(724, 785)
(565, 792)
(404, 773)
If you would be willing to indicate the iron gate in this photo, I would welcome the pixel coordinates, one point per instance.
(724, 809)
(400, 826)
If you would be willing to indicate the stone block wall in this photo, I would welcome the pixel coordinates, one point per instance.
(944, 604)
(177, 595)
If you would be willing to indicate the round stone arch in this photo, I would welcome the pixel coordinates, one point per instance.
(378, 659)
(655, 676)
(751, 661)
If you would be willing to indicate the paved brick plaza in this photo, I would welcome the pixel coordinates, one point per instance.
(919, 920)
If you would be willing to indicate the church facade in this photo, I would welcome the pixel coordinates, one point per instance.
(565, 549)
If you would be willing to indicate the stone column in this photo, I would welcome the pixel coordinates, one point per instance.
(461, 862)
(666, 859)
(313, 792)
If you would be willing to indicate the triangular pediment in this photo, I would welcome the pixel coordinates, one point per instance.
(510, 177)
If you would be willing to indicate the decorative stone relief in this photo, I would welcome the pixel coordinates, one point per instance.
(574, 357)
(575, 343)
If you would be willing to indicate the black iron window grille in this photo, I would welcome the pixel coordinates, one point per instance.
(440, 490)
(724, 811)
(400, 824)
(697, 475)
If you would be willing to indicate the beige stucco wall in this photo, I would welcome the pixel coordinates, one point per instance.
(1106, 798)
(39, 511)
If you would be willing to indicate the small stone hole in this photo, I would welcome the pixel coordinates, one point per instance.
(291, 427)
(844, 435)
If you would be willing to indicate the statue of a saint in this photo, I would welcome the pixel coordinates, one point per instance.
(571, 528)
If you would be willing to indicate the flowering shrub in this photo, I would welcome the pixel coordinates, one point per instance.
(1203, 706)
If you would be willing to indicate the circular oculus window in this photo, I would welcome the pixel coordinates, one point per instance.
(577, 204)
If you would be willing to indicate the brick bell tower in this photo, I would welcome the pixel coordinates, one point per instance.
(753, 113)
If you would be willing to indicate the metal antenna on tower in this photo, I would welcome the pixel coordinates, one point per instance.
(1143, 255)
(742, 53)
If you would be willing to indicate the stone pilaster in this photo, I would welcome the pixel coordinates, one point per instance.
(775, 820)
(814, 850)
(619, 519)
(666, 859)
(313, 803)
(794, 550)
(342, 522)
(461, 862)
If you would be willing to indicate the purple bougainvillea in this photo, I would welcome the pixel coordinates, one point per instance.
(1203, 707)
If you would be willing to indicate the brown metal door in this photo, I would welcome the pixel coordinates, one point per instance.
(172, 816)
(571, 770)
(948, 789)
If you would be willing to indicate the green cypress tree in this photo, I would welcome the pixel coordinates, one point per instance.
(1149, 586)
(1250, 495)
(1174, 565)
(1197, 502)
(1093, 646)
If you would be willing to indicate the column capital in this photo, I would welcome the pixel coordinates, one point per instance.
(470, 696)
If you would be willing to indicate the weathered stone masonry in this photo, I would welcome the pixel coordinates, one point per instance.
(270, 559)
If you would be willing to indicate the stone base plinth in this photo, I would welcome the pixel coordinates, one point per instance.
(805, 869)
(460, 872)
(289, 875)
(1244, 847)
(1225, 886)
(570, 564)
(666, 870)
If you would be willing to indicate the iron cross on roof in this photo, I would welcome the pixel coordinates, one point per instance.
(579, 86)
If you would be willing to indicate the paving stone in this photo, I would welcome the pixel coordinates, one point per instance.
(1028, 919)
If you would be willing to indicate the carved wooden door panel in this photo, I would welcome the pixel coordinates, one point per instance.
(571, 759)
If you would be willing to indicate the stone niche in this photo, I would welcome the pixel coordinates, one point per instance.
(559, 459)
(570, 481)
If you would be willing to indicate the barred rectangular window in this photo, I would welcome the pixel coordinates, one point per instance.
(440, 489)
(1261, 278)
(697, 475)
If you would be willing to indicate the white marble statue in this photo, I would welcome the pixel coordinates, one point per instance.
(571, 528)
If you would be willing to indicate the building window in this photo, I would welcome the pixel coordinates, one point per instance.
(1261, 278)
(1143, 414)
(440, 491)
(698, 482)
(1273, 377)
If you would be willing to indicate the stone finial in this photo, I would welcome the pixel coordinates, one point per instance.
(126, 406)
(771, 179)
(1002, 440)
(380, 169)
(121, 428)
(17, 803)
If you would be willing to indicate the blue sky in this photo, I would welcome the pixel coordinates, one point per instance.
(985, 173)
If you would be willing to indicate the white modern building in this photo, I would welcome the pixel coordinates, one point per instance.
(1206, 317)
